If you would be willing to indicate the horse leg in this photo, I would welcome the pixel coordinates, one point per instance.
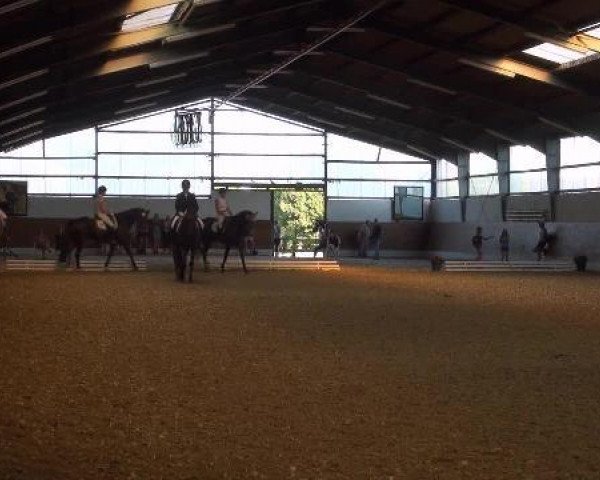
(225, 258)
(182, 263)
(177, 262)
(243, 257)
(191, 272)
(78, 256)
(111, 250)
(128, 251)
(204, 250)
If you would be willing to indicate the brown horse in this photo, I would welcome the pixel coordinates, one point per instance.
(80, 229)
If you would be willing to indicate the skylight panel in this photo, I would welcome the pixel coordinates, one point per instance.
(594, 32)
(149, 18)
(555, 53)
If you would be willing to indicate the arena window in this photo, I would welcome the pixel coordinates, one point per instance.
(483, 175)
(243, 148)
(372, 189)
(447, 179)
(527, 170)
(62, 165)
(361, 170)
(580, 163)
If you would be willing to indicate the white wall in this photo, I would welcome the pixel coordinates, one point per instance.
(444, 210)
(484, 209)
(57, 207)
(359, 210)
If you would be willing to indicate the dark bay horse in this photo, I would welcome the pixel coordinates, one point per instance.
(186, 240)
(80, 229)
(236, 229)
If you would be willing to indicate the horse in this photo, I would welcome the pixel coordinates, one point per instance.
(235, 231)
(186, 240)
(80, 229)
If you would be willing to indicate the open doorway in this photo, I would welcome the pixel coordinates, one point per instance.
(296, 211)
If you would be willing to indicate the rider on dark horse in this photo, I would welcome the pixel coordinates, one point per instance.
(185, 204)
(222, 210)
(105, 220)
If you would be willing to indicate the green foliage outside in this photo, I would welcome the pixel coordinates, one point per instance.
(297, 213)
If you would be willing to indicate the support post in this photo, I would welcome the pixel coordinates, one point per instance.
(434, 179)
(462, 161)
(553, 173)
(95, 159)
(325, 176)
(212, 144)
(503, 158)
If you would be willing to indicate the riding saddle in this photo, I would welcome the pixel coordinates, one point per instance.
(177, 220)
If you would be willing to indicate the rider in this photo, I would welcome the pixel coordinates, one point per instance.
(185, 203)
(107, 219)
(222, 209)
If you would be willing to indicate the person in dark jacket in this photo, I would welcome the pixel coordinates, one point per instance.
(376, 237)
(185, 204)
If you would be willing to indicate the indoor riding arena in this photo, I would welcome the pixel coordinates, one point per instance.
(289, 239)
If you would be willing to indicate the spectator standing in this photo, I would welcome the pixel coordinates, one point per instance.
(477, 242)
(504, 245)
(542, 243)
(376, 237)
(363, 239)
(276, 238)
(156, 234)
(166, 234)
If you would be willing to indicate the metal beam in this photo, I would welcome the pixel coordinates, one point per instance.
(307, 50)
(416, 77)
(500, 65)
(397, 98)
(333, 121)
(533, 26)
(349, 104)
(142, 61)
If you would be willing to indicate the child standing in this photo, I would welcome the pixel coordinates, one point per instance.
(504, 245)
(477, 242)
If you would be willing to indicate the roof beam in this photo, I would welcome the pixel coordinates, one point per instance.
(499, 65)
(284, 109)
(239, 47)
(349, 104)
(333, 111)
(531, 25)
(416, 77)
(252, 13)
(101, 99)
(406, 100)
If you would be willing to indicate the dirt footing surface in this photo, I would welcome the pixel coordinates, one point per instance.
(365, 373)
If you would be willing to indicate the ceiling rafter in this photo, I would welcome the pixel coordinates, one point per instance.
(501, 65)
(282, 108)
(334, 112)
(120, 93)
(370, 108)
(396, 95)
(247, 45)
(530, 24)
(416, 77)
